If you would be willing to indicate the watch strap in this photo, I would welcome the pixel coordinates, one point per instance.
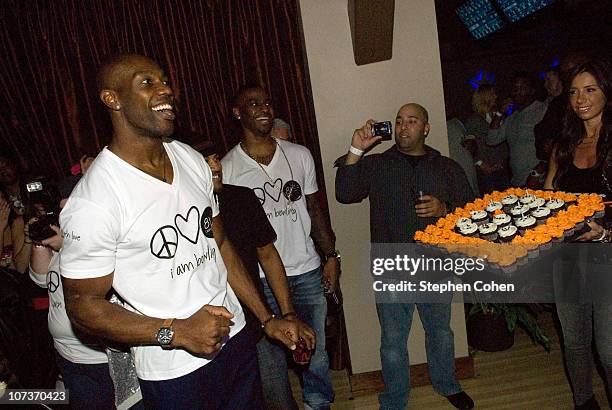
(168, 323)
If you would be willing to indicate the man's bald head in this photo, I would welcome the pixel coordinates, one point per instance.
(420, 108)
(114, 69)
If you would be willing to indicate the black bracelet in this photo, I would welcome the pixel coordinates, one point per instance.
(291, 313)
(265, 322)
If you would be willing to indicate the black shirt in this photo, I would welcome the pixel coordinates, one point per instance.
(391, 182)
(247, 227)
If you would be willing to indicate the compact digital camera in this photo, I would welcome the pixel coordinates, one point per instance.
(382, 129)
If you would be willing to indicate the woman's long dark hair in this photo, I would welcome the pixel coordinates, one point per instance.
(573, 132)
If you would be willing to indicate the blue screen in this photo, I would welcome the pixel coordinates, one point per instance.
(480, 17)
(517, 9)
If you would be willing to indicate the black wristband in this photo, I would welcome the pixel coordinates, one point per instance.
(265, 322)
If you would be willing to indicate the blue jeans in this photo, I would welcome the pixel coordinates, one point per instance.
(230, 381)
(578, 322)
(89, 385)
(395, 322)
(274, 379)
(311, 306)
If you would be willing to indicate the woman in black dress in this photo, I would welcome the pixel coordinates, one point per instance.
(582, 162)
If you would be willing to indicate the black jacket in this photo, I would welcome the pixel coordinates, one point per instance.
(392, 184)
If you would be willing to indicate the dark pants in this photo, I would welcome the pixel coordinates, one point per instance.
(230, 381)
(90, 385)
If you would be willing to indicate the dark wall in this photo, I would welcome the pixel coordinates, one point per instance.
(529, 45)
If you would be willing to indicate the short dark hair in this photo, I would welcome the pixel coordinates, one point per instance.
(242, 90)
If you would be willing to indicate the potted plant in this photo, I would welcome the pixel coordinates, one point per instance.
(490, 326)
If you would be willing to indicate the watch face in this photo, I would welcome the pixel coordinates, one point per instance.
(165, 335)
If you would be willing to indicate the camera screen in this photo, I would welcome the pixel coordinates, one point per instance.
(34, 186)
(382, 129)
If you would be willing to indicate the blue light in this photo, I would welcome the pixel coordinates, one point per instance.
(482, 77)
(542, 74)
(555, 63)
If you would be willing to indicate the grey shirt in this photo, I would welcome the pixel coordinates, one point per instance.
(517, 130)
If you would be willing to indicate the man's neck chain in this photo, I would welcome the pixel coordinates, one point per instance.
(263, 159)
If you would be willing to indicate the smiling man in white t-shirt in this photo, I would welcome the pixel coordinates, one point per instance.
(143, 221)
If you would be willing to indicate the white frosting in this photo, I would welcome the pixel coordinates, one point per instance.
(519, 210)
(468, 228)
(527, 199)
(494, 206)
(462, 221)
(525, 221)
(555, 203)
(536, 203)
(502, 219)
(509, 200)
(507, 230)
(486, 229)
(478, 215)
(541, 212)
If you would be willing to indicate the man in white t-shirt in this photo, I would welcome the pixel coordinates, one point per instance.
(144, 222)
(282, 175)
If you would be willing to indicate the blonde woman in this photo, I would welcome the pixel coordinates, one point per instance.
(490, 161)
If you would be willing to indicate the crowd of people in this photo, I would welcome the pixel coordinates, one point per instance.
(209, 275)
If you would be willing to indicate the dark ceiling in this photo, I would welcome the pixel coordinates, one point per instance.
(565, 23)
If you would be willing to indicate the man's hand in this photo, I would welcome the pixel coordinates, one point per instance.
(595, 232)
(202, 333)
(363, 138)
(430, 207)
(289, 332)
(54, 242)
(331, 275)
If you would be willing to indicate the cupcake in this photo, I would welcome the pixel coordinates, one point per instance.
(509, 201)
(527, 199)
(525, 222)
(479, 217)
(460, 222)
(502, 220)
(507, 233)
(541, 214)
(469, 229)
(518, 211)
(536, 203)
(488, 231)
(555, 205)
(493, 206)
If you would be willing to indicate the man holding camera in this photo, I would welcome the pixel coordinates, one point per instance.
(409, 186)
(282, 175)
(143, 221)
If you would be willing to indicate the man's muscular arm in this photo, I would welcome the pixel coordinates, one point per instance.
(240, 281)
(90, 312)
(324, 237)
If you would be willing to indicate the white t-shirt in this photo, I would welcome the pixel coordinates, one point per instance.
(290, 219)
(65, 341)
(157, 239)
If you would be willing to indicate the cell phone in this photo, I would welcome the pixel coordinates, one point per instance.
(382, 129)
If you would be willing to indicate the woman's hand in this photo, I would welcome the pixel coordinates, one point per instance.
(596, 232)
